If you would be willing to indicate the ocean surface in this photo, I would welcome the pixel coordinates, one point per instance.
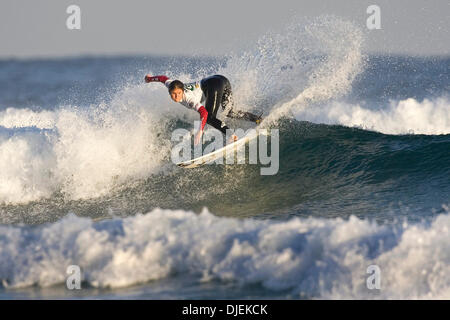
(86, 176)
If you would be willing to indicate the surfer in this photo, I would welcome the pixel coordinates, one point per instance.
(205, 96)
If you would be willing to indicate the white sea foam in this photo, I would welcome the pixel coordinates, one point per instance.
(26, 165)
(20, 118)
(82, 152)
(309, 257)
(429, 116)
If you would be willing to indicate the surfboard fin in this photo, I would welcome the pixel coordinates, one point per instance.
(260, 118)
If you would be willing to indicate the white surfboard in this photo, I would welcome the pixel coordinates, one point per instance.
(222, 152)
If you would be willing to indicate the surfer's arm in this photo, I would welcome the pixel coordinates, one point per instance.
(162, 78)
(204, 118)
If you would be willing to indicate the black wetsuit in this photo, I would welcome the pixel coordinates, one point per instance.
(217, 91)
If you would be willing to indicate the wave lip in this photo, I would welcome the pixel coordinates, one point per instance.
(309, 257)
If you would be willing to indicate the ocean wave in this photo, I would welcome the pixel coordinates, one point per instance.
(409, 116)
(323, 258)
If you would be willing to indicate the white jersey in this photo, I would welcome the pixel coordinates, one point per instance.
(193, 97)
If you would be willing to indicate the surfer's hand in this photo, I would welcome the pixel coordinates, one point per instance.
(198, 137)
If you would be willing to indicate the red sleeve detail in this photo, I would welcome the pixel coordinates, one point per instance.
(161, 78)
(203, 116)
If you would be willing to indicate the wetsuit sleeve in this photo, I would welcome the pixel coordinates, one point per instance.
(161, 78)
(203, 116)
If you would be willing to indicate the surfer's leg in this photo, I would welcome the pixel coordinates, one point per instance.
(213, 88)
(216, 123)
(227, 99)
(216, 88)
